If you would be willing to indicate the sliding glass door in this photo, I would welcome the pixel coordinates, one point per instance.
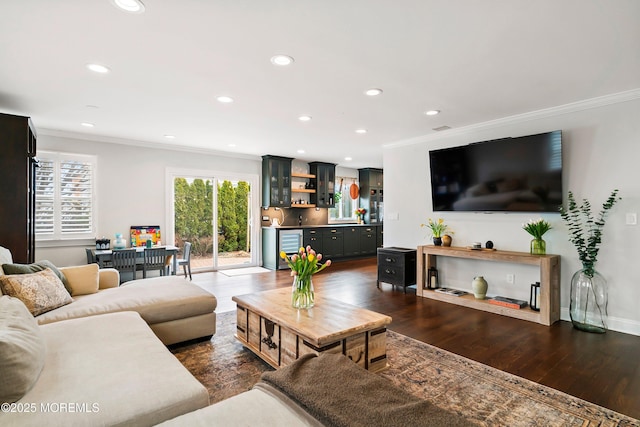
(216, 214)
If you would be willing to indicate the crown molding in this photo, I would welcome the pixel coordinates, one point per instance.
(573, 107)
(144, 144)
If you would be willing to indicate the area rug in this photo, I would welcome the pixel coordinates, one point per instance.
(483, 394)
(241, 271)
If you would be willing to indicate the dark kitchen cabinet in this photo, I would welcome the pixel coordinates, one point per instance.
(325, 184)
(276, 181)
(351, 239)
(371, 194)
(332, 242)
(17, 198)
(368, 240)
(313, 237)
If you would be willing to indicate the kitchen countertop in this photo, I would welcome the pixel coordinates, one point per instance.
(296, 227)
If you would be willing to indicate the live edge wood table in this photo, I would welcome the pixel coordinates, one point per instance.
(279, 333)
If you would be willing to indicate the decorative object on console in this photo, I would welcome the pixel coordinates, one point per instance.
(433, 278)
(489, 244)
(588, 299)
(534, 298)
(537, 228)
(303, 266)
(438, 229)
(479, 286)
(446, 240)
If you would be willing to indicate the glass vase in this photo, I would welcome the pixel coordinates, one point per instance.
(538, 247)
(302, 295)
(589, 297)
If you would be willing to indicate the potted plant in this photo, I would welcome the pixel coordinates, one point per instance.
(537, 228)
(359, 213)
(588, 300)
(438, 229)
(303, 266)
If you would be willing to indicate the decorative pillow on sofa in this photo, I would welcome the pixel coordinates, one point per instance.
(82, 279)
(34, 268)
(40, 292)
(22, 350)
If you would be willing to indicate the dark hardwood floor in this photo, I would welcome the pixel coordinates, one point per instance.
(600, 368)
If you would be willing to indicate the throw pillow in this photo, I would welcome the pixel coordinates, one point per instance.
(35, 267)
(40, 292)
(82, 279)
(22, 350)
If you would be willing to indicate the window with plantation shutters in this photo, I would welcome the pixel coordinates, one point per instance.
(65, 196)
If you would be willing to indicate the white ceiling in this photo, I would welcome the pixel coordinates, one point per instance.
(474, 60)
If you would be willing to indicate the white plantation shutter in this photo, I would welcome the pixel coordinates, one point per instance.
(65, 196)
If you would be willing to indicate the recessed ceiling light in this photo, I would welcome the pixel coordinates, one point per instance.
(87, 125)
(231, 145)
(170, 136)
(432, 112)
(97, 68)
(300, 151)
(281, 60)
(373, 92)
(131, 6)
(224, 99)
(304, 118)
(361, 131)
(348, 159)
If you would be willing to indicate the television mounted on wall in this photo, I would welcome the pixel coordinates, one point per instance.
(522, 174)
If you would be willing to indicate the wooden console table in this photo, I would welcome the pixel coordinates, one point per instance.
(549, 281)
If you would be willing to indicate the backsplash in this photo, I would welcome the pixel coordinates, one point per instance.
(291, 216)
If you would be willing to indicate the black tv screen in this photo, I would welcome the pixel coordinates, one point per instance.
(521, 174)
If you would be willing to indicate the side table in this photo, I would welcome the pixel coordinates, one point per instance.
(397, 266)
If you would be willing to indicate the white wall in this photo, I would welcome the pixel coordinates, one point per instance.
(600, 148)
(131, 186)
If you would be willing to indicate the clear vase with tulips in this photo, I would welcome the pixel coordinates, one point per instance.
(303, 266)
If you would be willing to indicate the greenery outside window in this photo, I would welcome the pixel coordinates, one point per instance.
(65, 196)
(344, 204)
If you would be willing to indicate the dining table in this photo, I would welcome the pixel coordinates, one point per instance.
(104, 255)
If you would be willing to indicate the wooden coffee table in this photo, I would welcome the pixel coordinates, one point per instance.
(279, 333)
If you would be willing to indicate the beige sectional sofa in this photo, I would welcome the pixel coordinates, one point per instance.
(100, 358)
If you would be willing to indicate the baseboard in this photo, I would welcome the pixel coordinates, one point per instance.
(615, 323)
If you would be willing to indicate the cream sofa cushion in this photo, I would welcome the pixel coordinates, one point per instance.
(82, 279)
(40, 292)
(114, 370)
(158, 299)
(22, 349)
(34, 268)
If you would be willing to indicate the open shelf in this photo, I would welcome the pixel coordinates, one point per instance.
(302, 175)
(303, 190)
(549, 281)
(303, 205)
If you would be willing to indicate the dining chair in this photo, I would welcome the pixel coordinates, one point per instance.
(154, 259)
(124, 260)
(91, 257)
(185, 261)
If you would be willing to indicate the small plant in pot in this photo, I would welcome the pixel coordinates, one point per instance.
(438, 230)
(588, 300)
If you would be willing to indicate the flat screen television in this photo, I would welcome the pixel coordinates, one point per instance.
(521, 174)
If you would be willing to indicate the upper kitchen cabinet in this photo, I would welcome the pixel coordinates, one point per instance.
(276, 181)
(325, 184)
(371, 194)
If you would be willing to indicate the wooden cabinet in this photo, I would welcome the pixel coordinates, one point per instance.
(397, 266)
(17, 198)
(276, 181)
(371, 194)
(325, 174)
(549, 281)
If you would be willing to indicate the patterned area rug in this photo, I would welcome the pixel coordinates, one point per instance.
(483, 394)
